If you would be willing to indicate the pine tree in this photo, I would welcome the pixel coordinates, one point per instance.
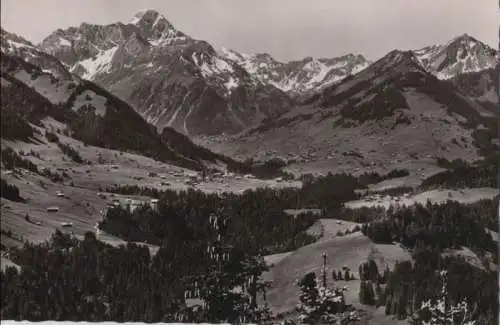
(362, 292)
(381, 298)
(441, 311)
(373, 270)
(388, 304)
(385, 276)
(319, 304)
(366, 293)
(308, 299)
(346, 276)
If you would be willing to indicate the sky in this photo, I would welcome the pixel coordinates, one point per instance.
(287, 29)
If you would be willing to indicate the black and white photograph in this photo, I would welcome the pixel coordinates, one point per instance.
(275, 162)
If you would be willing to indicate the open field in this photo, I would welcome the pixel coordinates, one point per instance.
(81, 204)
(345, 251)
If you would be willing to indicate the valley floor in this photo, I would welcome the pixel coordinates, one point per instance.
(81, 204)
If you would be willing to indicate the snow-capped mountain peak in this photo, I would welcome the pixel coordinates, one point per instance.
(157, 29)
(172, 79)
(462, 54)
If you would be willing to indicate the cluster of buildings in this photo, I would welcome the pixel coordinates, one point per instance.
(131, 204)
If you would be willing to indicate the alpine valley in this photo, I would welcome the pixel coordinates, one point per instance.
(149, 176)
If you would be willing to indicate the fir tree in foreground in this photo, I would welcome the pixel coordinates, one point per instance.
(230, 286)
(319, 304)
(441, 312)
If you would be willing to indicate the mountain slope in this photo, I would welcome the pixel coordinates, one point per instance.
(297, 77)
(391, 113)
(170, 78)
(92, 114)
(479, 85)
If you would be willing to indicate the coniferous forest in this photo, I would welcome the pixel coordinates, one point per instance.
(70, 279)
(430, 232)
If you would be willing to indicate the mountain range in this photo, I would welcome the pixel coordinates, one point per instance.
(165, 78)
(393, 113)
(170, 78)
(174, 80)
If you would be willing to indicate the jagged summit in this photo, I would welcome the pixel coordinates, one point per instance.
(398, 57)
(462, 54)
(13, 40)
(299, 76)
(146, 14)
(156, 28)
(464, 37)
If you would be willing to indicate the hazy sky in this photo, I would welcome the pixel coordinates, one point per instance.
(287, 29)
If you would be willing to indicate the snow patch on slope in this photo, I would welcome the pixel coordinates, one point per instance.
(14, 46)
(216, 67)
(169, 37)
(99, 64)
(64, 42)
(231, 84)
(231, 55)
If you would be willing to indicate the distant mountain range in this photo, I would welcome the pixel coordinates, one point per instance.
(392, 112)
(439, 100)
(296, 77)
(174, 80)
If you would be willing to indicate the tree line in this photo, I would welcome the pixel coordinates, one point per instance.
(12, 160)
(404, 290)
(448, 225)
(460, 174)
(10, 192)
